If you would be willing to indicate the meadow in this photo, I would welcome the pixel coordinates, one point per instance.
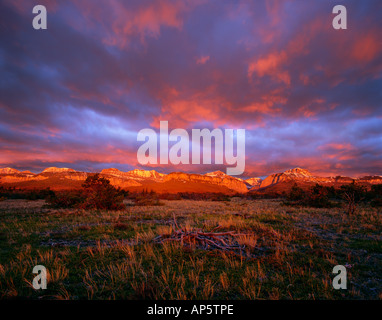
(285, 252)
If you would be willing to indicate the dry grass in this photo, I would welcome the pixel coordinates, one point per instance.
(289, 252)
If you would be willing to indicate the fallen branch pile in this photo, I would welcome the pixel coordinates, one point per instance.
(224, 241)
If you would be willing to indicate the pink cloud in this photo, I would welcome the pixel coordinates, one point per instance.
(271, 65)
(367, 47)
(145, 19)
(202, 59)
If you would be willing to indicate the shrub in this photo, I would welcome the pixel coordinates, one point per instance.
(375, 195)
(376, 190)
(65, 199)
(213, 196)
(221, 197)
(13, 193)
(100, 194)
(170, 196)
(96, 193)
(296, 194)
(147, 199)
(376, 202)
(317, 197)
(352, 194)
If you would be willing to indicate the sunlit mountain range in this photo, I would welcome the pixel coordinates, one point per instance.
(138, 180)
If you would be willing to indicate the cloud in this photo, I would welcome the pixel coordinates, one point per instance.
(77, 92)
(270, 65)
(202, 59)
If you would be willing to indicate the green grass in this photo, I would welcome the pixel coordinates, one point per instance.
(110, 255)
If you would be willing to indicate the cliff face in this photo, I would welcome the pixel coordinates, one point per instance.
(65, 178)
(57, 170)
(299, 175)
(9, 175)
(114, 173)
(21, 178)
(254, 182)
(135, 174)
(78, 176)
(121, 182)
(27, 172)
(119, 178)
(27, 176)
(226, 181)
(152, 174)
(372, 179)
(139, 177)
(274, 179)
(8, 171)
(293, 175)
(216, 174)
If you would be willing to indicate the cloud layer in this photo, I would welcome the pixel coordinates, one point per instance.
(77, 94)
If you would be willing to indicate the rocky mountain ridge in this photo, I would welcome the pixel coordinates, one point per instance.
(136, 178)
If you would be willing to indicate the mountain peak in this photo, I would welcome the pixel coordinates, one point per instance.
(57, 170)
(298, 171)
(27, 172)
(8, 171)
(111, 171)
(254, 181)
(216, 174)
(145, 173)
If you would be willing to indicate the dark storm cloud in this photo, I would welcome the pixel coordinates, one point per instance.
(79, 92)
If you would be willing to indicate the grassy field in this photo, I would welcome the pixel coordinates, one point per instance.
(288, 252)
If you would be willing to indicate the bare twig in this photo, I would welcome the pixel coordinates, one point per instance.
(224, 241)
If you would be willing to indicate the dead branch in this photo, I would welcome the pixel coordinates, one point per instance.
(223, 241)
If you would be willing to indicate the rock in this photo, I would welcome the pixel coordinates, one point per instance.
(9, 171)
(254, 182)
(57, 170)
(152, 174)
(226, 180)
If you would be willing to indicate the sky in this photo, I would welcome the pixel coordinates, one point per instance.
(77, 94)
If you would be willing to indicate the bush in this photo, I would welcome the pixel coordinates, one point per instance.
(170, 196)
(65, 199)
(96, 193)
(375, 195)
(296, 194)
(376, 203)
(317, 197)
(352, 194)
(221, 197)
(35, 194)
(147, 199)
(213, 196)
(100, 194)
(376, 190)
